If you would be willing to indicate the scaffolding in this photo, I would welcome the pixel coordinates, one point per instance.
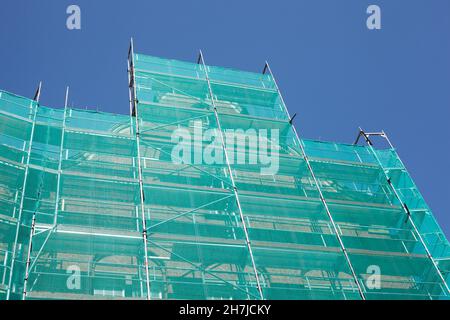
(92, 205)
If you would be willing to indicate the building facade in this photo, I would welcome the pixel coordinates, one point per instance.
(97, 206)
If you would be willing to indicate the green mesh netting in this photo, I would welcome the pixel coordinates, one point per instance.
(74, 175)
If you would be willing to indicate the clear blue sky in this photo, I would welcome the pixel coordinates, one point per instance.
(334, 72)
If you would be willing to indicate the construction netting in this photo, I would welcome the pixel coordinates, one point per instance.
(97, 205)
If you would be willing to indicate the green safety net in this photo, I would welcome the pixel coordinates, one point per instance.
(72, 217)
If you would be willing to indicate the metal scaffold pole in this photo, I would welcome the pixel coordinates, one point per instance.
(397, 195)
(61, 148)
(34, 108)
(230, 172)
(316, 183)
(29, 265)
(134, 112)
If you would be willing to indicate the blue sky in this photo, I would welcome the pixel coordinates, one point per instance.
(333, 72)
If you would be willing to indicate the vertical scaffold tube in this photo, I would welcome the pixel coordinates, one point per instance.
(230, 172)
(316, 183)
(34, 108)
(405, 209)
(134, 107)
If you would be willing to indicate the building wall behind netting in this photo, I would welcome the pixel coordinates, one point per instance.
(93, 205)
